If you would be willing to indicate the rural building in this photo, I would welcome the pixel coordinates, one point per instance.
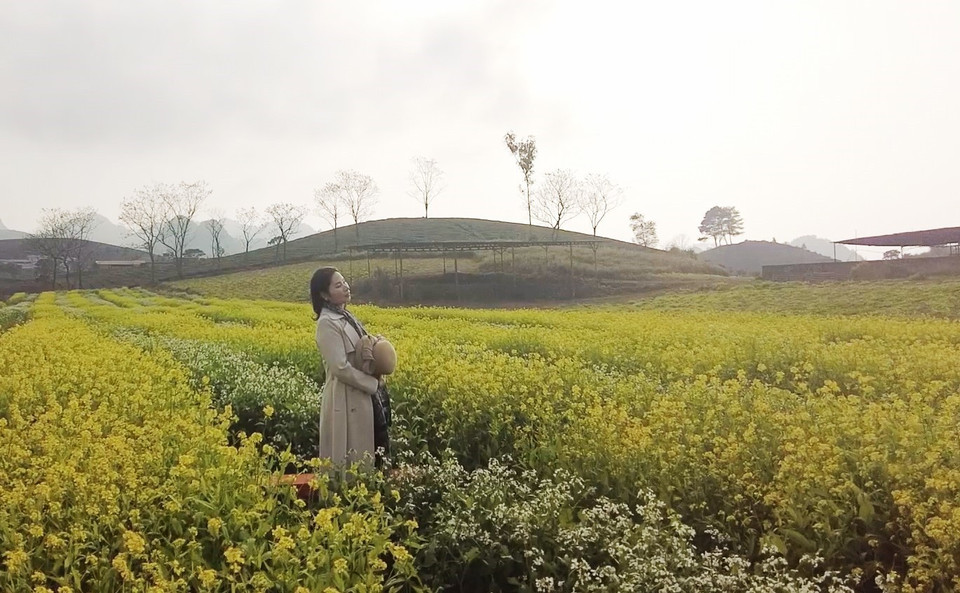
(947, 237)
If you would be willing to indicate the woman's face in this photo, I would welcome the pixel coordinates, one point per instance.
(339, 291)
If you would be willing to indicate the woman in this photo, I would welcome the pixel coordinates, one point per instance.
(347, 408)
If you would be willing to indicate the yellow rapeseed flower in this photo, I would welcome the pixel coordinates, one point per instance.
(233, 555)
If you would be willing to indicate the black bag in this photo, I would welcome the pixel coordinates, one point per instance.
(382, 418)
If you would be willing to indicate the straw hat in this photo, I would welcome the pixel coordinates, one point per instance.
(384, 357)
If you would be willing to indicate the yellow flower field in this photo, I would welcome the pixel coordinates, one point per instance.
(808, 434)
(117, 476)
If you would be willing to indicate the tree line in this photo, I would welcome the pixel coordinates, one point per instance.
(562, 196)
(162, 214)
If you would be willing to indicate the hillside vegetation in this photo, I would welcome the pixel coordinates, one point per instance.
(521, 274)
(531, 275)
(337, 244)
(537, 273)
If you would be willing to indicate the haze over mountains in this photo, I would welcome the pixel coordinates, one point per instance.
(231, 238)
(231, 241)
(6, 233)
(826, 248)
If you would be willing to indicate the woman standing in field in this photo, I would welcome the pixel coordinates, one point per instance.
(351, 403)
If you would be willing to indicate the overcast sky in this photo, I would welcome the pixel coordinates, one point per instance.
(832, 118)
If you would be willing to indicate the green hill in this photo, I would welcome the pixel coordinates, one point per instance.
(507, 274)
(749, 257)
(518, 274)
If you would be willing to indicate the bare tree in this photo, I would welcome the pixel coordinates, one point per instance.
(680, 242)
(524, 151)
(251, 225)
(425, 179)
(558, 199)
(644, 231)
(51, 240)
(331, 204)
(215, 227)
(81, 224)
(286, 218)
(359, 195)
(599, 197)
(145, 214)
(63, 237)
(182, 202)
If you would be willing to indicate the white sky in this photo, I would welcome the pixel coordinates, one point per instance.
(832, 118)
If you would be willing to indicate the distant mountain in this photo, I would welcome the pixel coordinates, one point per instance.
(235, 231)
(198, 237)
(105, 231)
(231, 238)
(749, 257)
(11, 234)
(22, 249)
(6, 233)
(825, 247)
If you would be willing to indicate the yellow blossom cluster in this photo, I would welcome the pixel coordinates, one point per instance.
(809, 433)
(118, 476)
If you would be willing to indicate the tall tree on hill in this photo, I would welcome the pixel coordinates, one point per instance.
(144, 214)
(286, 219)
(359, 193)
(721, 223)
(251, 225)
(644, 231)
(599, 197)
(732, 224)
(425, 179)
(558, 199)
(331, 204)
(215, 228)
(524, 152)
(182, 202)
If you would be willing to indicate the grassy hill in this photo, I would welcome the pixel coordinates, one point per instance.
(331, 244)
(749, 257)
(521, 274)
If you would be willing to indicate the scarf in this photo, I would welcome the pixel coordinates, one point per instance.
(353, 321)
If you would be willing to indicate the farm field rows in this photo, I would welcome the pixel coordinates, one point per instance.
(581, 449)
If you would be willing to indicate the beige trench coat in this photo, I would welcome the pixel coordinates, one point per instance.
(346, 409)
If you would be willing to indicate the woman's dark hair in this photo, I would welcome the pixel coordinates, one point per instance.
(319, 284)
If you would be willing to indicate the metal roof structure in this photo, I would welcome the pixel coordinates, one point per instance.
(456, 249)
(929, 238)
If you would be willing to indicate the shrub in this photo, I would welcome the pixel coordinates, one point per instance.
(502, 529)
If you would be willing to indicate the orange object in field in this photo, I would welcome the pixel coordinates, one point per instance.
(301, 482)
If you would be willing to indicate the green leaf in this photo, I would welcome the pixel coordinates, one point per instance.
(799, 539)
